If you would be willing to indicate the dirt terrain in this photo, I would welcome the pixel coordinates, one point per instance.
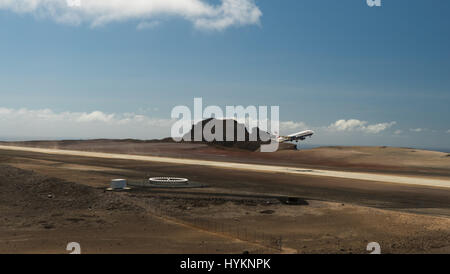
(49, 200)
(367, 159)
(43, 214)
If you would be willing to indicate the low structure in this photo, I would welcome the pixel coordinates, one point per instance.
(118, 184)
(168, 181)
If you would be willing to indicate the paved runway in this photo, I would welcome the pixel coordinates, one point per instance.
(408, 180)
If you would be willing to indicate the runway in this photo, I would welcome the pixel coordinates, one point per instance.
(395, 179)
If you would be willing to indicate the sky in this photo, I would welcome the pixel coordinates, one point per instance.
(356, 75)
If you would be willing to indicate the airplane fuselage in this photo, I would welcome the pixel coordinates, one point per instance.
(299, 136)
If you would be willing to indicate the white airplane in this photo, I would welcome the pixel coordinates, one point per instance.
(296, 137)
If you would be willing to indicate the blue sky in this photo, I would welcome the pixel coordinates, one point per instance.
(321, 61)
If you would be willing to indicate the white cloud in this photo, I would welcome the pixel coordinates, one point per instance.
(377, 128)
(398, 132)
(417, 129)
(95, 116)
(289, 127)
(357, 125)
(348, 125)
(201, 13)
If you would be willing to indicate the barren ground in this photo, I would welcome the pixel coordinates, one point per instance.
(49, 200)
(367, 159)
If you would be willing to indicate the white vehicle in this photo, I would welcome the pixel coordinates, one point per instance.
(296, 137)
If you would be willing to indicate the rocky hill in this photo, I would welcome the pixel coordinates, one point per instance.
(249, 140)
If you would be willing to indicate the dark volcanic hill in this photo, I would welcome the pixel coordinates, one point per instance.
(231, 130)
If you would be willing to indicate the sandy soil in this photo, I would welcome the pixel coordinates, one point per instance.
(239, 211)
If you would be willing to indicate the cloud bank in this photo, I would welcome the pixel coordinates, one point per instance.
(202, 13)
(46, 124)
(362, 126)
(26, 124)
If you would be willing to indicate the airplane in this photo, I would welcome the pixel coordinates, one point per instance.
(296, 137)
